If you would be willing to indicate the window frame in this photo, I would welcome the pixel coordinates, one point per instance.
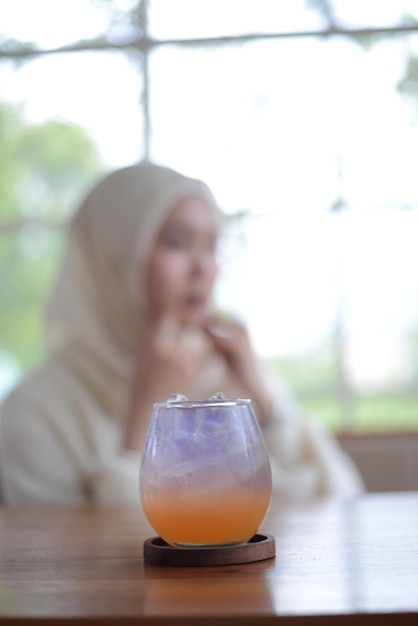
(145, 44)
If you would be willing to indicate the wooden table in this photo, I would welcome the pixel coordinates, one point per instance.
(337, 562)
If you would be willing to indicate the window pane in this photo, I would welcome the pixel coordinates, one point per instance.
(312, 140)
(293, 123)
(189, 19)
(375, 13)
(51, 24)
(28, 261)
(306, 128)
(208, 18)
(99, 91)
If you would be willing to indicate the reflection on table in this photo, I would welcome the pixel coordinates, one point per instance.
(336, 561)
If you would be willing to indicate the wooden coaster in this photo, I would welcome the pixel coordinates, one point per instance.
(258, 548)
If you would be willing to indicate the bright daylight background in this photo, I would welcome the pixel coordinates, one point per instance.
(283, 129)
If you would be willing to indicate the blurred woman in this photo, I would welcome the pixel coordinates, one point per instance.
(131, 320)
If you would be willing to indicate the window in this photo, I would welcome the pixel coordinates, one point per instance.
(302, 116)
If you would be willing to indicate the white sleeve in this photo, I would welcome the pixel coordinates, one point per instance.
(41, 464)
(307, 462)
(35, 465)
(115, 480)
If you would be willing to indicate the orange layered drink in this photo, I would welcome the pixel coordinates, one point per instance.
(205, 474)
(219, 519)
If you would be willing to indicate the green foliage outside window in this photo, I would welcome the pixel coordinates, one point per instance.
(44, 170)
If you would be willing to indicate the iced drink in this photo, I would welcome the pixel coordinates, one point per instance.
(205, 475)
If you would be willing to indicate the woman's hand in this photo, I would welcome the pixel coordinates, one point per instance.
(231, 340)
(165, 366)
(165, 363)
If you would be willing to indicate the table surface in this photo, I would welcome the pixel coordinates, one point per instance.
(338, 561)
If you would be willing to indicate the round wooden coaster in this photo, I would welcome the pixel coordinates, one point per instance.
(258, 548)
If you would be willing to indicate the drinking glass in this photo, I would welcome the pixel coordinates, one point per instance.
(205, 477)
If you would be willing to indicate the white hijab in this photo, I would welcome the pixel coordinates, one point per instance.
(98, 303)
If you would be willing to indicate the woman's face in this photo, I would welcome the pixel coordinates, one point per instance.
(182, 265)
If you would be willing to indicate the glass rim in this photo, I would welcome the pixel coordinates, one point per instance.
(178, 401)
